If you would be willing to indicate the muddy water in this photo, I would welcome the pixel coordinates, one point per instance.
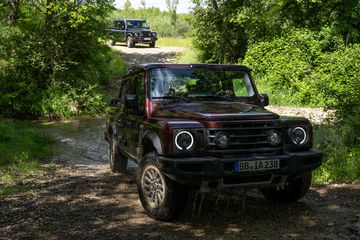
(79, 141)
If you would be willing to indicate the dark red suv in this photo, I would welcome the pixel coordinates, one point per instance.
(204, 127)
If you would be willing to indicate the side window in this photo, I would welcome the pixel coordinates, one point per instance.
(139, 83)
(134, 85)
(120, 25)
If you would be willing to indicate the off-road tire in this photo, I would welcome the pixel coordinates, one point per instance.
(292, 191)
(130, 42)
(152, 45)
(118, 162)
(153, 185)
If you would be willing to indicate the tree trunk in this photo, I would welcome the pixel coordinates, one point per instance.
(14, 12)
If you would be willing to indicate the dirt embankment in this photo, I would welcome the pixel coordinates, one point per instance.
(84, 200)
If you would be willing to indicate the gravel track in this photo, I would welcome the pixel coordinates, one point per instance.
(84, 200)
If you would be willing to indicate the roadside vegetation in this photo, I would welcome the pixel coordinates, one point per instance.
(20, 151)
(303, 53)
(54, 59)
(54, 63)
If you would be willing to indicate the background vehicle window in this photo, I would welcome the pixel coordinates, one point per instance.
(120, 25)
(136, 24)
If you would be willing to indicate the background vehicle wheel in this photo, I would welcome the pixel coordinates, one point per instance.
(113, 43)
(130, 42)
(152, 44)
(118, 162)
(162, 198)
(292, 191)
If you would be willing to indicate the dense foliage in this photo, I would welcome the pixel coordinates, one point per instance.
(223, 30)
(52, 60)
(165, 23)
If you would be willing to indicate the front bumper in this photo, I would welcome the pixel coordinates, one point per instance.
(219, 172)
(144, 39)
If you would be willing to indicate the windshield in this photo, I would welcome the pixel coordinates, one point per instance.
(200, 83)
(136, 24)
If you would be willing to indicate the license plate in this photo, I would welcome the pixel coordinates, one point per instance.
(258, 165)
(147, 39)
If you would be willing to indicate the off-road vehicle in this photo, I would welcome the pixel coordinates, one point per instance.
(132, 31)
(204, 127)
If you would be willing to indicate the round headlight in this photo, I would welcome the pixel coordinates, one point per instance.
(274, 137)
(298, 135)
(222, 140)
(184, 140)
(136, 34)
(154, 34)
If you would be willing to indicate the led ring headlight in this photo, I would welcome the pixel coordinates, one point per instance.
(184, 140)
(298, 135)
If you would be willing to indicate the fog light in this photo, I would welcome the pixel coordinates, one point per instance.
(273, 137)
(222, 140)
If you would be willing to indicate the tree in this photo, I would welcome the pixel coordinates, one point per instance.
(127, 5)
(143, 4)
(53, 58)
(172, 6)
(223, 29)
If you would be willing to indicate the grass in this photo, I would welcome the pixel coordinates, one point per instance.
(188, 55)
(341, 158)
(174, 42)
(21, 148)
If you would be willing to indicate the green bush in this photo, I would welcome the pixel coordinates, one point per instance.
(341, 151)
(56, 63)
(285, 67)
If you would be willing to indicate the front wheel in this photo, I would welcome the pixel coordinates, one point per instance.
(292, 191)
(162, 198)
(118, 162)
(130, 42)
(152, 45)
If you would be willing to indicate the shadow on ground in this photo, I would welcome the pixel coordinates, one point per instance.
(81, 203)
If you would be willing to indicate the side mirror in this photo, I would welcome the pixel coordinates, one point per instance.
(131, 101)
(115, 102)
(264, 98)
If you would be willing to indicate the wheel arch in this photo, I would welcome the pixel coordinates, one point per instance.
(151, 142)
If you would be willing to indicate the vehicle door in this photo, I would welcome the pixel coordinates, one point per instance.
(133, 116)
(120, 30)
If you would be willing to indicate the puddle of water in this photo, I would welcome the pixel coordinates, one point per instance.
(79, 141)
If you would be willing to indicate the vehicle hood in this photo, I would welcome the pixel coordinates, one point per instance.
(213, 111)
(139, 30)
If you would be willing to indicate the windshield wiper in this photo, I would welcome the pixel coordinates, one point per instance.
(173, 97)
(213, 96)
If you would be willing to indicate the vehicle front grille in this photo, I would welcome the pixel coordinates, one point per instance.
(146, 34)
(246, 137)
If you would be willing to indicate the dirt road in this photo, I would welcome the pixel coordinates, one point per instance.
(84, 200)
(144, 54)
